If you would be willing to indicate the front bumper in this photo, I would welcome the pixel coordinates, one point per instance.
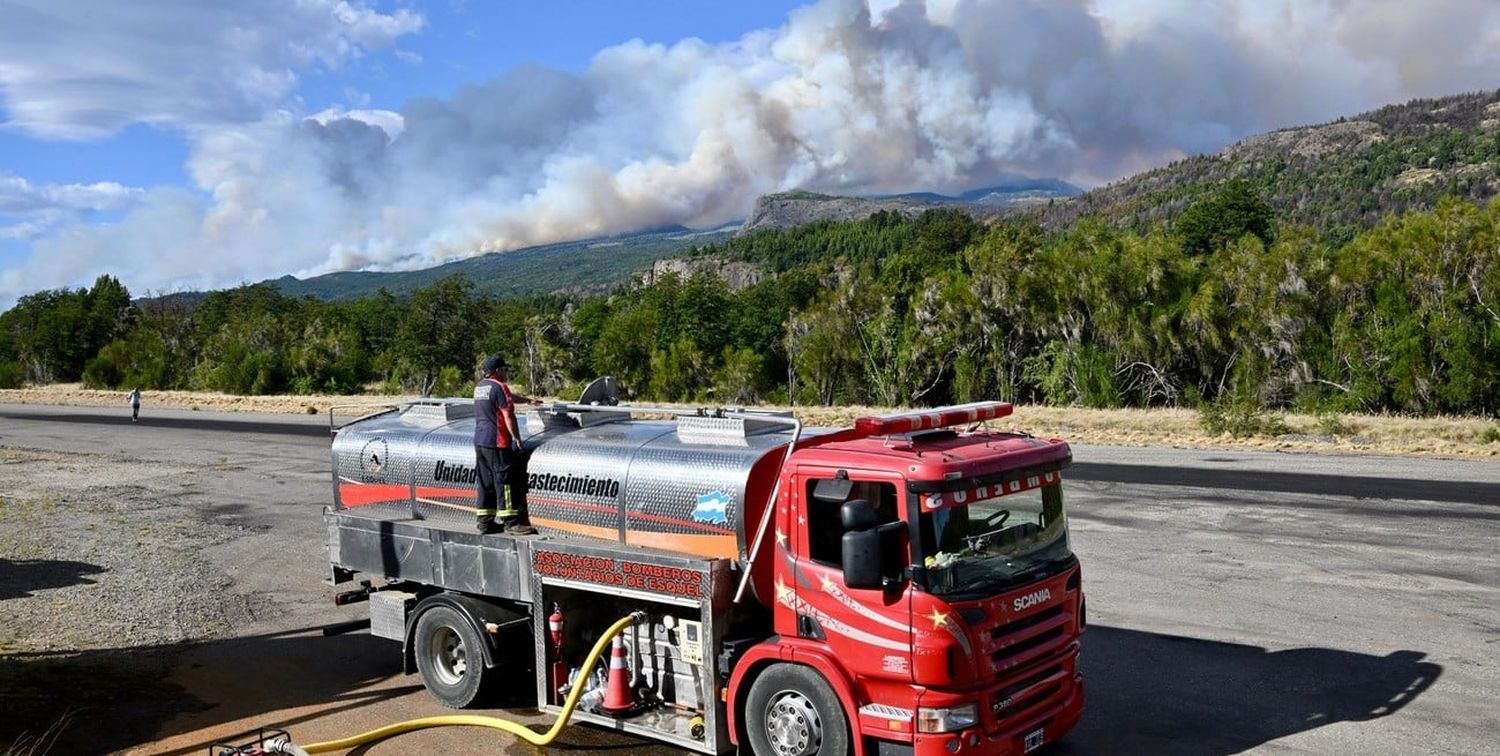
(1017, 738)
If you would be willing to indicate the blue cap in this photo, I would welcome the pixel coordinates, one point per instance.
(493, 363)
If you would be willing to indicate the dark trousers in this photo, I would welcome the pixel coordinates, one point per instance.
(499, 475)
(135, 411)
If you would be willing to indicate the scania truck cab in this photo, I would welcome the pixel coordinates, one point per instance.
(932, 571)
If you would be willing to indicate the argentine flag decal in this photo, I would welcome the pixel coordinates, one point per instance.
(713, 507)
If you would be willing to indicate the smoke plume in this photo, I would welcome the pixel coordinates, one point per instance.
(845, 97)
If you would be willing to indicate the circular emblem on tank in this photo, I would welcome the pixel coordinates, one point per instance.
(373, 459)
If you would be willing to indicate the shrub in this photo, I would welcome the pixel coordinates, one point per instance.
(740, 380)
(11, 374)
(1239, 416)
(104, 371)
(1332, 424)
(453, 382)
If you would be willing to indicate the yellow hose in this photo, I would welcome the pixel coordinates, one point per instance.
(472, 720)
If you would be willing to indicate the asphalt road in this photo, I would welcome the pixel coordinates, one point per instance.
(1238, 601)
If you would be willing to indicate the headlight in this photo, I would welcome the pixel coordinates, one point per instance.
(947, 720)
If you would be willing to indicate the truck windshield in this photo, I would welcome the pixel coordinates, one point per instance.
(990, 543)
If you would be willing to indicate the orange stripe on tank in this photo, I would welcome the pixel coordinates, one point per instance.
(603, 534)
(361, 494)
(701, 545)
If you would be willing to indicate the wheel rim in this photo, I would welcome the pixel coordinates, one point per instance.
(448, 656)
(792, 725)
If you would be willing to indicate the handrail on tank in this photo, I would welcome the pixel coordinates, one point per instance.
(765, 518)
(643, 409)
(384, 407)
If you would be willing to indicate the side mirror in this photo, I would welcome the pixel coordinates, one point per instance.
(870, 551)
(858, 514)
(862, 559)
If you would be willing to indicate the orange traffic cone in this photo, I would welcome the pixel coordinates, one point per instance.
(617, 696)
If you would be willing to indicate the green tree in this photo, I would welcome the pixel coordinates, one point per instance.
(108, 315)
(625, 345)
(740, 378)
(49, 333)
(163, 343)
(1234, 210)
(328, 358)
(544, 357)
(678, 371)
(438, 329)
(822, 347)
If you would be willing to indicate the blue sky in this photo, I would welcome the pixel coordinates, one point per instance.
(461, 42)
(178, 144)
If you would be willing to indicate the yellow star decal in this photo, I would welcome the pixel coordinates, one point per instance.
(828, 586)
(938, 618)
(781, 537)
(783, 593)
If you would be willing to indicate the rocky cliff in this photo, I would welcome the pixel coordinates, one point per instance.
(737, 275)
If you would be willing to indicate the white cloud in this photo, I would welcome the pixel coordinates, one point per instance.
(19, 196)
(84, 70)
(29, 210)
(943, 95)
(388, 121)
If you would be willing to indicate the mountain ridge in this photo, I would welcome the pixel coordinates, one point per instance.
(564, 266)
(1339, 176)
(592, 264)
(799, 207)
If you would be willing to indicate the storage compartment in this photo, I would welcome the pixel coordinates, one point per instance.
(388, 611)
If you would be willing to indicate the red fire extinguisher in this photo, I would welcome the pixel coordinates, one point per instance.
(559, 665)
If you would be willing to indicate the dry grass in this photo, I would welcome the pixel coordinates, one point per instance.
(74, 394)
(1357, 434)
(1363, 434)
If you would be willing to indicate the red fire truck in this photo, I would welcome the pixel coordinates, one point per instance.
(902, 586)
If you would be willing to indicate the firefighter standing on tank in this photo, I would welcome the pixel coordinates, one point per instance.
(498, 453)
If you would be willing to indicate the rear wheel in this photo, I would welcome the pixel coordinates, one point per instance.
(449, 657)
(792, 711)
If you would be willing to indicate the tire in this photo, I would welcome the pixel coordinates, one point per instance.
(792, 711)
(450, 657)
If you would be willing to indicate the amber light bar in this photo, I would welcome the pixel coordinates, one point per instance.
(941, 417)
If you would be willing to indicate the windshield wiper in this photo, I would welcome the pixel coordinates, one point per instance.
(985, 577)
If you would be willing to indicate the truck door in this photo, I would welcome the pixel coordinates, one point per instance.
(869, 630)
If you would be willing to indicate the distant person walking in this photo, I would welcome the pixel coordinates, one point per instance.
(498, 453)
(135, 404)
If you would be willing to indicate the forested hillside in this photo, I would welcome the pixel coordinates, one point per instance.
(791, 209)
(1338, 178)
(1233, 305)
(580, 265)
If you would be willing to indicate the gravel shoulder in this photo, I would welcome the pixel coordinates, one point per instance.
(126, 550)
(102, 577)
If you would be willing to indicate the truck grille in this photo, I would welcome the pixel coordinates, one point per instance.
(1017, 701)
(1028, 639)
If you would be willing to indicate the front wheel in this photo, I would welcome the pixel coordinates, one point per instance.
(792, 711)
(449, 657)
